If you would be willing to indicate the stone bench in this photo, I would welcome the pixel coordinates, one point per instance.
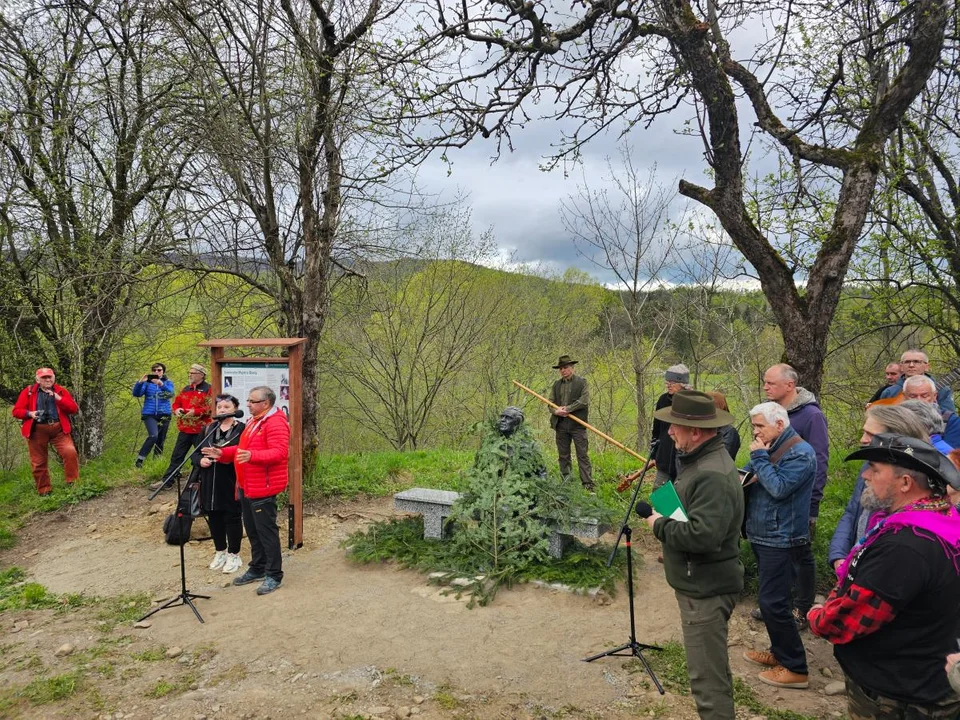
(562, 535)
(433, 505)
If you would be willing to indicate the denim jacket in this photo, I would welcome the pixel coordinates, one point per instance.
(778, 504)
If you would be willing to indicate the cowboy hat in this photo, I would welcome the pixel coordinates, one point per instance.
(913, 454)
(564, 360)
(692, 408)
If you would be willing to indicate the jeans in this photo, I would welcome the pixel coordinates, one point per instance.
(776, 567)
(806, 568)
(263, 533)
(156, 426)
(704, 623)
(579, 437)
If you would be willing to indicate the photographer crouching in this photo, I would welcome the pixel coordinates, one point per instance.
(45, 409)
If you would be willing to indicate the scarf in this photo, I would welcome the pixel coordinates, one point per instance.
(931, 518)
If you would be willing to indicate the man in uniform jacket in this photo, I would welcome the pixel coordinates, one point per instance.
(701, 557)
(572, 395)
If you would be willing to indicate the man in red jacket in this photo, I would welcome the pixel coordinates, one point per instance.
(45, 409)
(192, 408)
(261, 464)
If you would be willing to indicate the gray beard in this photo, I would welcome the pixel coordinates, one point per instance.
(870, 502)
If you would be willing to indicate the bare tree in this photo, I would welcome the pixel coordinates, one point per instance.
(618, 63)
(417, 325)
(286, 94)
(88, 165)
(625, 228)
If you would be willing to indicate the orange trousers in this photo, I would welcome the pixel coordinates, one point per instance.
(40, 438)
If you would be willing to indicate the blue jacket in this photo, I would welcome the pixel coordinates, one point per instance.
(951, 430)
(778, 504)
(156, 398)
(845, 536)
(944, 395)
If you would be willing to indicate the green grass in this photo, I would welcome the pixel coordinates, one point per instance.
(744, 696)
(384, 473)
(150, 655)
(401, 540)
(18, 594)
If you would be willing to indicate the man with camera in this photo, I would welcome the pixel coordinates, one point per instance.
(45, 409)
(156, 389)
(192, 408)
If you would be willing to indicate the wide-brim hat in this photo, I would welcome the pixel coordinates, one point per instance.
(692, 408)
(564, 360)
(911, 453)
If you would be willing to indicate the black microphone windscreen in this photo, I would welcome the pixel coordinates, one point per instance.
(238, 414)
(644, 510)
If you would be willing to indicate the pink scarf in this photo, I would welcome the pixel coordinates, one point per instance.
(927, 518)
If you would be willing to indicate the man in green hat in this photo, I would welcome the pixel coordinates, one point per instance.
(701, 555)
(570, 392)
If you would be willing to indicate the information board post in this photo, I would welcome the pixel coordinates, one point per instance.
(236, 375)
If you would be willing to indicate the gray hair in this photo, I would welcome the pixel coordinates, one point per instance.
(927, 413)
(917, 379)
(269, 395)
(787, 372)
(914, 350)
(920, 478)
(899, 420)
(771, 412)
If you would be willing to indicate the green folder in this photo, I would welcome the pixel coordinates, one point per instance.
(666, 502)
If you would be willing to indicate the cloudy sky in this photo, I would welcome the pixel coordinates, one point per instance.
(521, 203)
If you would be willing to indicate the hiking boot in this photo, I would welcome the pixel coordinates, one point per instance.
(761, 657)
(218, 560)
(248, 577)
(781, 677)
(270, 584)
(756, 614)
(801, 620)
(232, 563)
(160, 484)
(139, 463)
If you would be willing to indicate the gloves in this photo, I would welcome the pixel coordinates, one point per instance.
(644, 510)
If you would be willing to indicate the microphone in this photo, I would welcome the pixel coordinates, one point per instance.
(644, 510)
(235, 414)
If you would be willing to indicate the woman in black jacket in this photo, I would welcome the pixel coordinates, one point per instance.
(731, 438)
(218, 490)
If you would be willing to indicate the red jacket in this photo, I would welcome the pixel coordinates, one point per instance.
(198, 398)
(268, 441)
(27, 402)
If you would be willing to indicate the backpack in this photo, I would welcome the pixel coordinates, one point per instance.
(178, 524)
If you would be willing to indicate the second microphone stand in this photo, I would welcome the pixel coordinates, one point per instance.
(631, 648)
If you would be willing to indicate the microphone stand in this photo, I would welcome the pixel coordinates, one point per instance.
(185, 597)
(631, 648)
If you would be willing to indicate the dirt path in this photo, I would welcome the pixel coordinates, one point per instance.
(337, 640)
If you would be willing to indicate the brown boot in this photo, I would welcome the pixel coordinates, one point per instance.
(761, 657)
(781, 677)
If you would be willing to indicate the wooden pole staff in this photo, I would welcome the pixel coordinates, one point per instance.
(588, 426)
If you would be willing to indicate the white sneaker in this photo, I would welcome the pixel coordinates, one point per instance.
(218, 560)
(232, 563)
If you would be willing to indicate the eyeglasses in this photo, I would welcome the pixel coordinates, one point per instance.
(251, 401)
(156, 369)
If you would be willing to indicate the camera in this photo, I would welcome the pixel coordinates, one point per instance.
(41, 418)
(153, 376)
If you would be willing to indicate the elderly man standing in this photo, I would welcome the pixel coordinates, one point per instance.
(45, 409)
(892, 617)
(914, 363)
(921, 387)
(261, 464)
(701, 557)
(778, 508)
(806, 417)
(571, 393)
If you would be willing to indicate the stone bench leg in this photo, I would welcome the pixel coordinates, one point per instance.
(432, 525)
(558, 543)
